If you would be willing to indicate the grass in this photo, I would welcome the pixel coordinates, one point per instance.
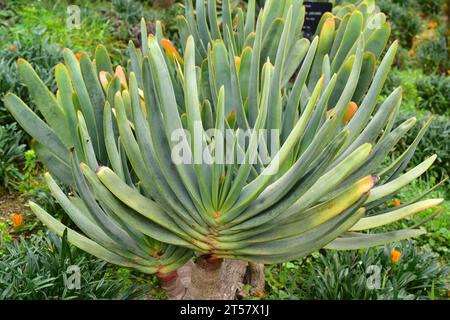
(363, 274)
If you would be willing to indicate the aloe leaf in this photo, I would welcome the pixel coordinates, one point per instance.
(366, 76)
(294, 99)
(362, 241)
(126, 214)
(35, 127)
(202, 24)
(85, 243)
(195, 126)
(395, 185)
(212, 17)
(102, 61)
(250, 18)
(326, 39)
(55, 165)
(390, 217)
(45, 101)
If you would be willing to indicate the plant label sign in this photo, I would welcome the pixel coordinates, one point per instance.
(314, 11)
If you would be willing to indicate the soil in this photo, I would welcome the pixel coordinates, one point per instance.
(10, 203)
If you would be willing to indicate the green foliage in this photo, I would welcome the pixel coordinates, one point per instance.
(126, 15)
(404, 20)
(11, 155)
(435, 141)
(168, 19)
(431, 7)
(434, 93)
(49, 18)
(37, 268)
(404, 78)
(128, 10)
(37, 49)
(346, 275)
(5, 237)
(432, 53)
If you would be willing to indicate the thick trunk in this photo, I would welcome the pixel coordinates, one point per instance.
(214, 279)
(218, 280)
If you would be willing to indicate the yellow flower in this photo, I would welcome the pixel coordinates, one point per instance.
(412, 53)
(17, 220)
(13, 48)
(396, 203)
(395, 256)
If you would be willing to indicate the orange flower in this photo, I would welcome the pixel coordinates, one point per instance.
(432, 25)
(395, 256)
(13, 48)
(17, 220)
(412, 53)
(396, 203)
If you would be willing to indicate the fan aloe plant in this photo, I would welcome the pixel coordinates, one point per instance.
(319, 177)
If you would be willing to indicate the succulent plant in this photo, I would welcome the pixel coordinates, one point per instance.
(110, 135)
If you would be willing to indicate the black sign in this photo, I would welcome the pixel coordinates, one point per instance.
(314, 11)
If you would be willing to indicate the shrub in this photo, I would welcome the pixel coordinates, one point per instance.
(404, 20)
(431, 7)
(353, 275)
(129, 11)
(5, 237)
(11, 153)
(168, 19)
(434, 93)
(37, 269)
(435, 141)
(432, 53)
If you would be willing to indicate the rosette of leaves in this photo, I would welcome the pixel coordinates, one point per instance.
(109, 135)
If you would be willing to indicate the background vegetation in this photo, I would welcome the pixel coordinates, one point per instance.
(33, 263)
